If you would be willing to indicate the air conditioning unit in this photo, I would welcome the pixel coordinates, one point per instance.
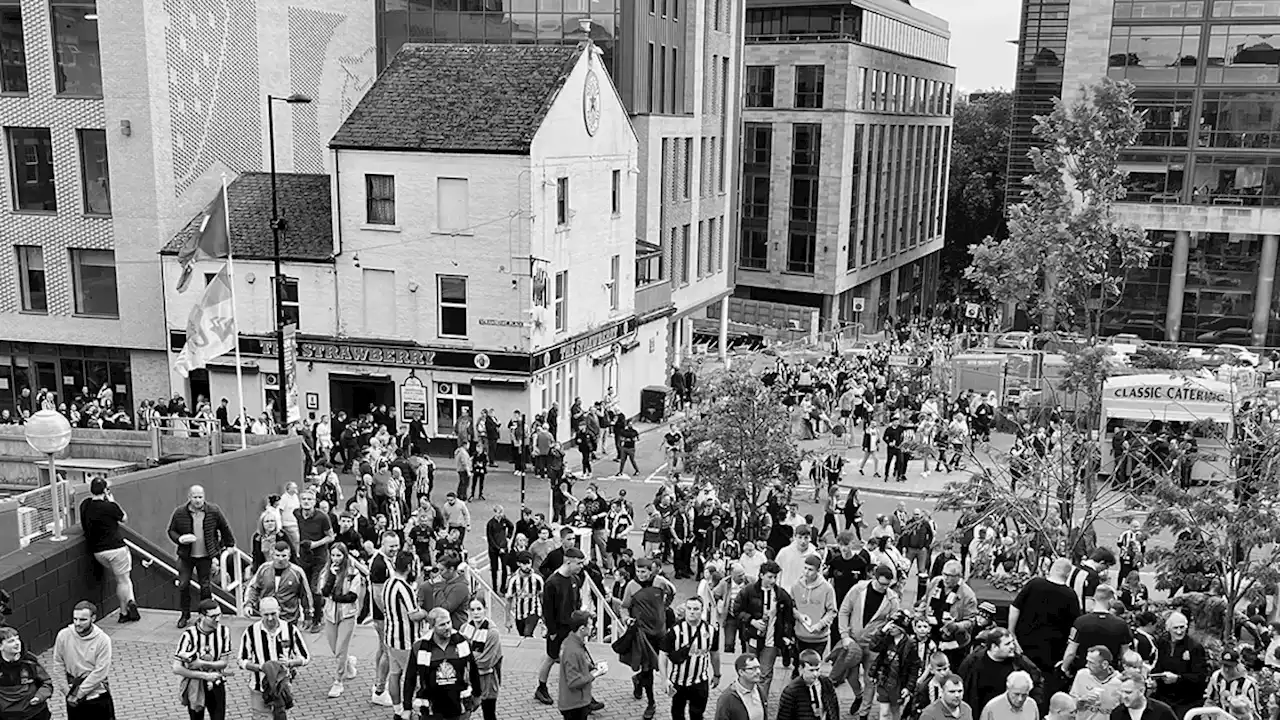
(28, 525)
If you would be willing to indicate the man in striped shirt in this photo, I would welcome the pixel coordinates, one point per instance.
(379, 574)
(691, 665)
(1228, 680)
(400, 624)
(204, 650)
(524, 596)
(268, 639)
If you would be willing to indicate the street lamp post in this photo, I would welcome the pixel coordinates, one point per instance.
(49, 432)
(277, 226)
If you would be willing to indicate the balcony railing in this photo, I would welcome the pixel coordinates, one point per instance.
(653, 297)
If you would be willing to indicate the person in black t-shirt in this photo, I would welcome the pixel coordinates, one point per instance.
(100, 518)
(1042, 615)
(560, 598)
(846, 566)
(1097, 627)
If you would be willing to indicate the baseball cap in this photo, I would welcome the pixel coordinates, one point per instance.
(1230, 656)
(986, 607)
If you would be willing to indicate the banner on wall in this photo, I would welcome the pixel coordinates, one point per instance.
(293, 413)
(413, 400)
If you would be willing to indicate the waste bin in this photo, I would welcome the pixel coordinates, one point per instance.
(653, 404)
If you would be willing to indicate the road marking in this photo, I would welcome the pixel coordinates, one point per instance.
(654, 474)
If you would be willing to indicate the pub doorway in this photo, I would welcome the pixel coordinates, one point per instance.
(359, 394)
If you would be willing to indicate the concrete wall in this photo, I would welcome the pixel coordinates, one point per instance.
(236, 482)
(17, 457)
(47, 579)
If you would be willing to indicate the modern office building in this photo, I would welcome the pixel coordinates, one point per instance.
(846, 148)
(1204, 177)
(676, 65)
(119, 120)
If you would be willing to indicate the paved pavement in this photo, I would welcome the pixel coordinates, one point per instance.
(145, 687)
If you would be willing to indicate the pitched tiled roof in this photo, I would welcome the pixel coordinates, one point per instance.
(451, 97)
(304, 203)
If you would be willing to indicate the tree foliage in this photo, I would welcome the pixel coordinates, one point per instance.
(742, 438)
(976, 184)
(1067, 255)
(1226, 531)
(1086, 371)
(1151, 357)
(1041, 498)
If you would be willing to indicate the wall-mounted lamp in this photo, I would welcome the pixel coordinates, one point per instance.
(126, 128)
(250, 278)
(413, 287)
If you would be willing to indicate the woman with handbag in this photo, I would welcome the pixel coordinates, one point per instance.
(343, 585)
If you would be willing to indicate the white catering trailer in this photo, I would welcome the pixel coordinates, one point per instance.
(1174, 403)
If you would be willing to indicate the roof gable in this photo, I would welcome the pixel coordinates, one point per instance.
(453, 97)
(305, 202)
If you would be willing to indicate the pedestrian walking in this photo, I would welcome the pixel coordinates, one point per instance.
(486, 646)
(201, 533)
(744, 699)
(201, 660)
(82, 656)
(284, 581)
(691, 666)
(25, 687)
(561, 598)
(342, 585)
(578, 671)
(441, 678)
(810, 696)
(316, 533)
(100, 518)
(271, 641)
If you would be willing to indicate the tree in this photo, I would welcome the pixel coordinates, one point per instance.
(1228, 529)
(1067, 256)
(976, 185)
(1051, 501)
(1087, 370)
(742, 438)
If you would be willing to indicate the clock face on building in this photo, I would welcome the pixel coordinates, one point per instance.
(591, 102)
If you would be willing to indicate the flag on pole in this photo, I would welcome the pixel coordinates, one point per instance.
(210, 242)
(211, 328)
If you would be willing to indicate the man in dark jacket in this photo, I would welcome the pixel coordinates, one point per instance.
(645, 601)
(1182, 667)
(810, 696)
(915, 541)
(985, 673)
(734, 701)
(766, 615)
(201, 533)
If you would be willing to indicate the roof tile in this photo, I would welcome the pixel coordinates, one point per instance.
(453, 97)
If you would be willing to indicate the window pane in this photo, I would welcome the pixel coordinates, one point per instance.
(95, 281)
(453, 289)
(380, 190)
(453, 321)
(13, 52)
(32, 278)
(75, 43)
(31, 166)
(452, 210)
(93, 172)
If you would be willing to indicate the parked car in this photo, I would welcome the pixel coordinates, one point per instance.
(1230, 335)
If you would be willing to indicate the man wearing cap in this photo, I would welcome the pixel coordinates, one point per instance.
(1230, 680)
(100, 518)
(816, 609)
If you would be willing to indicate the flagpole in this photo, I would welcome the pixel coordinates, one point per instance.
(235, 322)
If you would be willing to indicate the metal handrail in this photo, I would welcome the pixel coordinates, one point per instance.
(148, 560)
(232, 577)
(208, 427)
(596, 601)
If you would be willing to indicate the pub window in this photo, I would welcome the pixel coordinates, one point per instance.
(451, 400)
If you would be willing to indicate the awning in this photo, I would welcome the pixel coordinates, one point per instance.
(1171, 398)
(511, 383)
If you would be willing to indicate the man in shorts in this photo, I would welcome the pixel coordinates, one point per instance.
(561, 596)
(100, 517)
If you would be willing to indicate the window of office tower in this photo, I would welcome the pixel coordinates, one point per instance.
(75, 44)
(1244, 54)
(498, 21)
(1159, 9)
(1154, 53)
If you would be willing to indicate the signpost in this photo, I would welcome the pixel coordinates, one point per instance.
(413, 399)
